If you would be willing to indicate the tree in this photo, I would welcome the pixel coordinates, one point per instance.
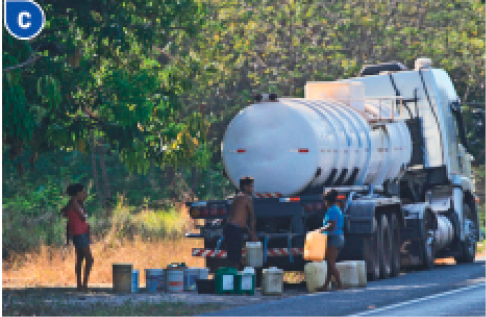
(113, 74)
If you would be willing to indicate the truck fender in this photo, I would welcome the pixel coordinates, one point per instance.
(359, 217)
(418, 211)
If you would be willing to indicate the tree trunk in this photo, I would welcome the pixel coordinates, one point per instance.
(104, 177)
(171, 180)
(95, 170)
(194, 182)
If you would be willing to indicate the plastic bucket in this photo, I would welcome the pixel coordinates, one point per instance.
(203, 273)
(190, 277)
(122, 278)
(135, 275)
(174, 280)
(155, 280)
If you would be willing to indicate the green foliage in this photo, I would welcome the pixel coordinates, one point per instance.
(112, 81)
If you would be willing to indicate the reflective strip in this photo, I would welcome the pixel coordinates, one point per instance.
(240, 151)
(211, 253)
(268, 195)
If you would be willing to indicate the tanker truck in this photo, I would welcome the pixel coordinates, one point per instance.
(390, 141)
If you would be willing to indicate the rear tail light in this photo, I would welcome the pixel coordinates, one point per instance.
(204, 212)
(214, 211)
(341, 197)
(290, 200)
(309, 207)
(318, 206)
(222, 211)
(194, 212)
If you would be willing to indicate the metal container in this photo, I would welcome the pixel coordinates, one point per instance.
(155, 280)
(254, 254)
(299, 143)
(122, 278)
(272, 281)
(174, 278)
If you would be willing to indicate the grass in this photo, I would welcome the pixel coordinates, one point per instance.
(55, 267)
(128, 308)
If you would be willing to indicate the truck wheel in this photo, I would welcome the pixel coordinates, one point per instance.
(428, 245)
(468, 247)
(385, 246)
(395, 229)
(372, 253)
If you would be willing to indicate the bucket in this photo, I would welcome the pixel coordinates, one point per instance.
(155, 280)
(122, 277)
(225, 280)
(135, 275)
(174, 278)
(254, 254)
(245, 281)
(190, 277)
(315, 275)
(272, 281)
(362, 273)
(348, 270)
(203, 273)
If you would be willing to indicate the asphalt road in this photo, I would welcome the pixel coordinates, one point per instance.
(466, 301)
(409, 286)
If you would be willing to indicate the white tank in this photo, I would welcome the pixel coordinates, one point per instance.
(293, 144)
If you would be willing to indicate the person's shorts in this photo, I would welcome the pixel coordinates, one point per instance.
(81, 241)
(336, 241)
(233, 236)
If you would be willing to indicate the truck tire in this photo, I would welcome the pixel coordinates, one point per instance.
(385, 246)
(428, 248)
(372, 253)
(468, 247)
(395, 229)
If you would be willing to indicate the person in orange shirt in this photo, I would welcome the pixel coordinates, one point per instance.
(78, 228)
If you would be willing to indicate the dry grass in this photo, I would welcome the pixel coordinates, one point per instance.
(55, 267)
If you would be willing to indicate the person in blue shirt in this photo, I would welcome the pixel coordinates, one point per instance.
(333, 227)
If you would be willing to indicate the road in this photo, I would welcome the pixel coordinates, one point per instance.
(447, 290)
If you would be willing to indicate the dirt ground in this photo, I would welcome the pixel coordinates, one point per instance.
(15, 301)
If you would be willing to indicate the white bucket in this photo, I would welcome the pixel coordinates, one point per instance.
(348, 270)
(315, 275)
(362, 273)
(254, 254)
(190, 277)
(155, 280)
(175, 280)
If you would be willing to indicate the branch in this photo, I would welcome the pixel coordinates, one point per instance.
(32, 59)
(165, 53)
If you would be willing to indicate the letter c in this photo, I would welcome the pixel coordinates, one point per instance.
(23, 15)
